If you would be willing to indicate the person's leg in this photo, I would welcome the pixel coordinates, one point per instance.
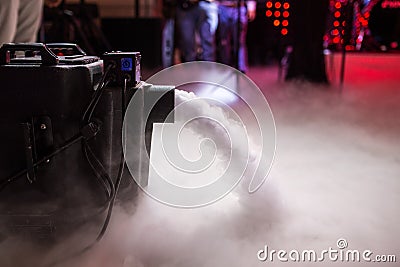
(186, 24)
(242, 41)
(224, 35)
(8, 20)
(207, 25)
(29, 20)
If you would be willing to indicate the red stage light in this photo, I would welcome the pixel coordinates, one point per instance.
(338, 5)
(276, 23)
(364, 22)
(285, 23)
(286, 5)
(285, 14)
(268, 13)
(284, 31)
(335, 32)
(269, 4)
(336, 23)
(337, 14)
(278, 5)
(336, 40)
(277, 14)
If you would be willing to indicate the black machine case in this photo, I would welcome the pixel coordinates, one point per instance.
(44, 95)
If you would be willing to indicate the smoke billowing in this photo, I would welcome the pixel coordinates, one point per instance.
(335, 175)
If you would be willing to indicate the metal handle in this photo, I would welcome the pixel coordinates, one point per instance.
(74, 47)
(48, 57)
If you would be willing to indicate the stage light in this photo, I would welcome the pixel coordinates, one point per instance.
(337, 14)
(364, 22)
(336, 40)
(286, 5)
(285, 14)
(280, 11)
(335, 32)
(336, 23)
(344, 23)
(349, 48)
(338, 5)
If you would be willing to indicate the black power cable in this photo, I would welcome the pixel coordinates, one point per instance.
(113, 186)
(98, 170)
(96, 96)
(120, 170)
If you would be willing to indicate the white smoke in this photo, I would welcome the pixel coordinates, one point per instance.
(336, 175)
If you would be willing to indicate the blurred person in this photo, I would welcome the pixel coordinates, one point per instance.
(307, 60)
(20, 20)
(168, 33)
(197, 17)
(229, 40)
